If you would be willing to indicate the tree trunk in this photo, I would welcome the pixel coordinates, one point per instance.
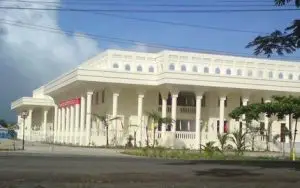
(295, 134)
(153, 138)
(107, 136)
(147, 137)
(290, 134)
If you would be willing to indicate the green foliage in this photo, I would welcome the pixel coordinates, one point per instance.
(279, 42)
(209, 150)
(239, 140)
(223, 139)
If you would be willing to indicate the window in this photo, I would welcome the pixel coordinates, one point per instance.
(195, 69)
(96, 99)
(206, 70)
(151, 69)
(139, 68)
(217, 71)
(270, 74)
(127, 67)
(239, 72)
(250, 73)
(282, 132)
(228, 72)
(280, 76)
(186, 99)
(103, 96)
(290, 76)
(183, 68)
(115, 66)
(203, 101)
(172, 67)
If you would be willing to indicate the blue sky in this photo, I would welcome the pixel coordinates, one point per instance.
(29, 58)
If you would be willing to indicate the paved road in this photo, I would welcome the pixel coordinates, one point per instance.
(28, 170)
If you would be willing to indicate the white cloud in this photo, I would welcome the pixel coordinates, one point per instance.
(36, 53)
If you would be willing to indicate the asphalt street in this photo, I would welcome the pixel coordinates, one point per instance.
(31, 170)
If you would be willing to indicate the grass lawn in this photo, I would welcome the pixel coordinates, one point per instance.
(194, 155)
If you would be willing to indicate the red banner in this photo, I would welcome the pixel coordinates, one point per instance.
(70, 102)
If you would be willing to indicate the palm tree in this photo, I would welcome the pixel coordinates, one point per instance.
(156, 120)
(223, 138)
(105, 121)
(239, 139)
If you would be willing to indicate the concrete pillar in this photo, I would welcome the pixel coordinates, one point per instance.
(88, 117)
(140, 114)
(198, 120)
(45, 124)
(115, 109)
(72, 121)
(67, 137)
(77, 118)
(58, 130)
(174, 111)
(63, 125)
(164, 96)
(221, 114)
(55, 132)
(29, 124)
(266, 120)
(82, 120)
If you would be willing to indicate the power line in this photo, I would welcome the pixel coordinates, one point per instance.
(93, 3)
(119, 40)
(181, 24)
(151, 11)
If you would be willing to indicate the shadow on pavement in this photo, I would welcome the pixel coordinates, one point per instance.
(253, 163)
(219, 172)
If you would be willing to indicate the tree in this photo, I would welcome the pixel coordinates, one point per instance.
(105, 121)
(3, 123)
(280, 107)
(223, 138)
(156, 119)
(279, 42)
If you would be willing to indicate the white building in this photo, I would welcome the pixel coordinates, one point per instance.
(191, 88)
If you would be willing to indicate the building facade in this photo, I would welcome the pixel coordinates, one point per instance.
(195, 89)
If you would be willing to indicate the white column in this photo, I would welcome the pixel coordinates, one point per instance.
(115, 109)
(58, 130)
(63, 125)
(55, 132)
(221, 114)
(72, 121)
(140, 114)
(164, 96)
(67, 137)
(76, 124)
(20, 125)
(45, 124)
(82, 120)
(29, 123)
(88, 117)
(198, 121)
(174, 111)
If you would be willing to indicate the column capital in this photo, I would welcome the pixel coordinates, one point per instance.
(174, 90)
(164, 93)
(199, 93)
(222, 98)
(90, 92)
(116, 94)
(245, 100)
(115, 89)
(199, 97)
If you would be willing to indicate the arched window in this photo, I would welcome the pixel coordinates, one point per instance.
(115, 65)
(270, 74)
(127, 67)
(239, 72)
(217, 70)
(151, 69)
(228, 72)
(250, 73)
(195, 68)
(280, 75)
(206, 70)
(183, 68)
(139, 68)
(290, 76)
(260, 74)
(172, 67)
